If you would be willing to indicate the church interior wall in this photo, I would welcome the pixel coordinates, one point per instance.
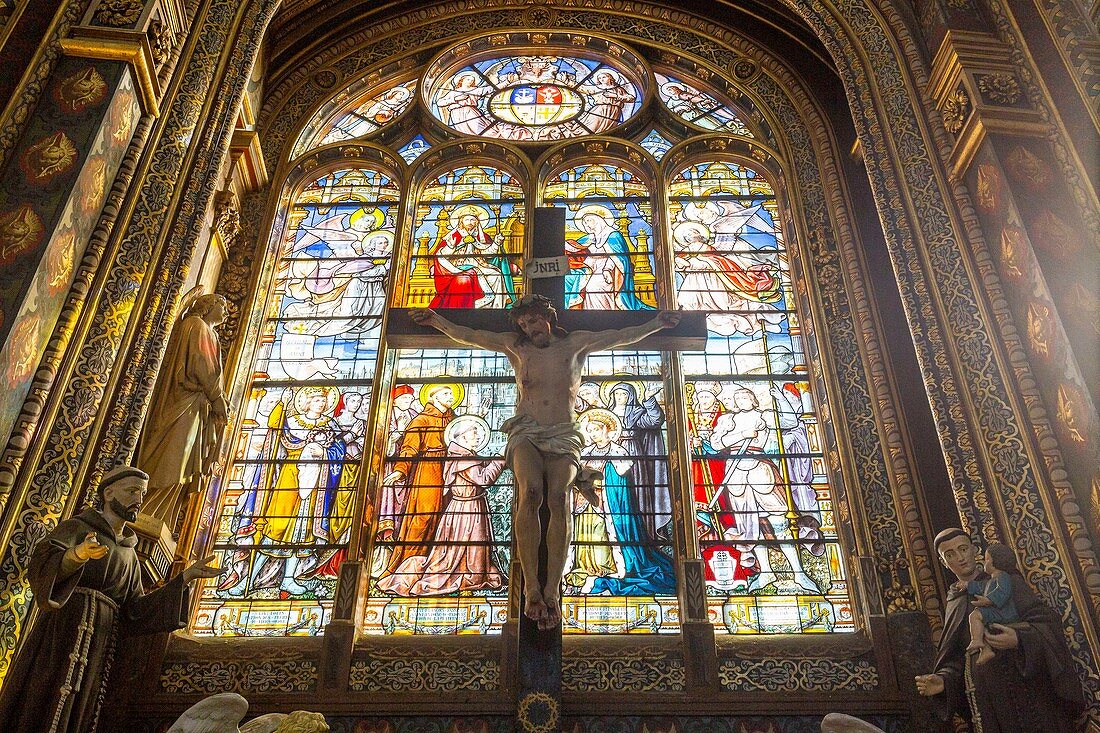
(883, 298)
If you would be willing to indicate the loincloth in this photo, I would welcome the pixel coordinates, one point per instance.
(561, 439)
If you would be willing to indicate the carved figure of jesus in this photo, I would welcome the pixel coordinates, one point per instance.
(544, 444)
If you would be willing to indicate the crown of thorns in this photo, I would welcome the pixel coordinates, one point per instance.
(538, 305)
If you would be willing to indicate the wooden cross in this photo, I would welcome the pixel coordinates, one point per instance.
(539, 651)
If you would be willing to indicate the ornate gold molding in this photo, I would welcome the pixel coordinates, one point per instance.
(120, 45)
(978, 91)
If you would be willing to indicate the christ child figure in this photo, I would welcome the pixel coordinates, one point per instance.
(993, 598)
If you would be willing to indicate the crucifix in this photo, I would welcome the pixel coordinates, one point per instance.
(547, 346)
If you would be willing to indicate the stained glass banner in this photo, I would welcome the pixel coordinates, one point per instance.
(532, 98)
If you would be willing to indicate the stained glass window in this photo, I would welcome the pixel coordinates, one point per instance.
(290, 493)
(413, 149)
(620, 576)
(763, 504)
(352, 115)
(657, 144)
(691, 104)
(437, 535)
(441, 547)
(609, 237)
(536, 97)
(468, 241)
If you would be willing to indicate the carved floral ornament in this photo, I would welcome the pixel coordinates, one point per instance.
(118, 13)
(955, 110)
(999, 88)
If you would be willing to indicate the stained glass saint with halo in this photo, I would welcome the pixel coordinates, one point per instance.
(699, 107)
(349, 116)
(290, 493)
(535, 97)
(763, 504)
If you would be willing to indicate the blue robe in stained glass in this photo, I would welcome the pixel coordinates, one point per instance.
(647, 570)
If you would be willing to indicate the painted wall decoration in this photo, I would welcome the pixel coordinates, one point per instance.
(290, 493)
(350, 115)
(691, 104)
(763, 509)
(74, 148)
(534, 97)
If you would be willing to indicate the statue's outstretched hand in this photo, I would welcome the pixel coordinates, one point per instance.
(90, 549)
(668, 319)
(203, 568)
(423, 316)
(929, 684)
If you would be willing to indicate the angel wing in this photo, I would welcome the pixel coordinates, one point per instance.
(219, 713)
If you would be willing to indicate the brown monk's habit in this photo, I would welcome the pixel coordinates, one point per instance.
(57, 681)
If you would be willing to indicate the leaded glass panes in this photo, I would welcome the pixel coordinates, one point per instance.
(350, 116)
(620, 575)
(290, 493)
(442, 538)
(535, 97)
(656, 143)
(691, 104)
(763, 504)
(413, 149)
(468, 239)
(608, 237)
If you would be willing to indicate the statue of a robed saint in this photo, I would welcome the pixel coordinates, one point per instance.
(86, 580)
(188, 413)
(544, 445)
(1029, 685)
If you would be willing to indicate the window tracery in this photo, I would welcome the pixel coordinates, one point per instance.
(702, 235)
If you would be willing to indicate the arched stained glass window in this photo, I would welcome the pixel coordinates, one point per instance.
(289, 499)
(469, 238)
(763, 505)
(691, 104)
(341, 425)
(351, 115)
(609, 237)
(441, 558)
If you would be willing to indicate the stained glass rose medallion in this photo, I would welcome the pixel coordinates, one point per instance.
(534, 97)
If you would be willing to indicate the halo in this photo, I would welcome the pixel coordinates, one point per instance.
(601, 211)
(331, 396)
(480, 212)
(587, 415)
(427, 390)
(606, 388)
(679, 233)
(461, 424)
(377, 216)
(387, 235)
